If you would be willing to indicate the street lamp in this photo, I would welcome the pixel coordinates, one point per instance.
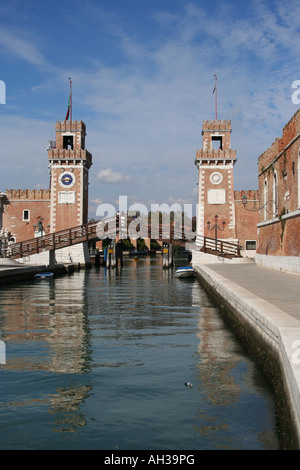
(4, 239)
(216, 227)
(39, 226)
(274, 205)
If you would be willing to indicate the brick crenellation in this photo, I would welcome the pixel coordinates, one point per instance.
(70, 126)
(218, 125)
(28, 194)
(251, 194)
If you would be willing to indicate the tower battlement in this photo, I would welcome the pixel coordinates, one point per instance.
(70, 135)
(216, 135)
(70, 126)
(70, 156)
(216, 155)
(219, 125)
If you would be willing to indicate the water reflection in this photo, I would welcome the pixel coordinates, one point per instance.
(103, 356)
(45, 321)
(225, 372)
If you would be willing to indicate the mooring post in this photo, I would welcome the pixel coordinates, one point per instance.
(113, 255)
(170, 257)
(108, 257)
(51, 258)
(165, 255)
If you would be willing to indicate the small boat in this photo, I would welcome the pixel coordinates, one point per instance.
(185, 272)
(43, 276)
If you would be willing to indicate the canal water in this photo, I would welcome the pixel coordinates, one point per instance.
(100, 360)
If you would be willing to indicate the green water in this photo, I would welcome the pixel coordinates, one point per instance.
(99, 360)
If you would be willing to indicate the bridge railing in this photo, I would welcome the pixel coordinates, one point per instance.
(109, 228)
(51, 241)
(211, 245)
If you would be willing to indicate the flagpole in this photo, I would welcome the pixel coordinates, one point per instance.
(70, 99)
(216, 98)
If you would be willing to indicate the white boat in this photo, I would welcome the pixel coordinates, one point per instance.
(187, 271)
(43, 276)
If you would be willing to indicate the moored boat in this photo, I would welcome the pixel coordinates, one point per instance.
(185, 272)
(43, 276)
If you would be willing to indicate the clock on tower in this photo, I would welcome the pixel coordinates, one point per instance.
(69, 164)
(215, 162)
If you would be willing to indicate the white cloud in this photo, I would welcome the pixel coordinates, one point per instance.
(19, 45)
(109, 176)
(97, 201)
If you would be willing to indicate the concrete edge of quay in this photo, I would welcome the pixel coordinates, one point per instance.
(269, 334)
(13, 274)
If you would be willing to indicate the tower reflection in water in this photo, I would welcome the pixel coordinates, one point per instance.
(44, 327)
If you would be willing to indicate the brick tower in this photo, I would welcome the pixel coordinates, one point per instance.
(215, 162)
(69, 164)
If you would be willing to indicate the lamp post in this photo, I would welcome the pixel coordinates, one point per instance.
(274, 204)
(4, 239)
(216, 227)
(39, 226)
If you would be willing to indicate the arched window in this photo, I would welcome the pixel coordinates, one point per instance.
(275, 194)
(265, 199)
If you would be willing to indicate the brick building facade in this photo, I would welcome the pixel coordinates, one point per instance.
(26, 213)
(279, 189)
(246, 219)
(31, 213)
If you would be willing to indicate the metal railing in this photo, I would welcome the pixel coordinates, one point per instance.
(110, 228)
(107, 228)
(219, 247)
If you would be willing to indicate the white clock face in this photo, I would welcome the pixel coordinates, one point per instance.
(66, 179)
(216, 178)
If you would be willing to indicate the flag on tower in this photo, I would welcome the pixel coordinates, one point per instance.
(68, 112)
(215, 88)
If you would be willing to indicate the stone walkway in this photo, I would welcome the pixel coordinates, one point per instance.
(278, 288)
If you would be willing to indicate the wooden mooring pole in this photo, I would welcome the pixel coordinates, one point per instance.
(111, 255)
(167, 255)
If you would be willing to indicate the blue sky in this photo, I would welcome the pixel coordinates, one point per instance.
(143, 75)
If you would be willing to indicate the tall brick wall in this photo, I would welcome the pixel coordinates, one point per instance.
(247, 217)
(279, 229)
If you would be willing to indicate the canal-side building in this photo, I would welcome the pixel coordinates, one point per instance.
(30, 213)
(279, 189)
(237, 222)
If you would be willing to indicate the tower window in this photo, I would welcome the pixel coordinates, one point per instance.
(68, 142)
(216, 143)
(26, 215)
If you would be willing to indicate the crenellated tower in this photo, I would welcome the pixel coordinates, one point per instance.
(69, 164)
(215, 162)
